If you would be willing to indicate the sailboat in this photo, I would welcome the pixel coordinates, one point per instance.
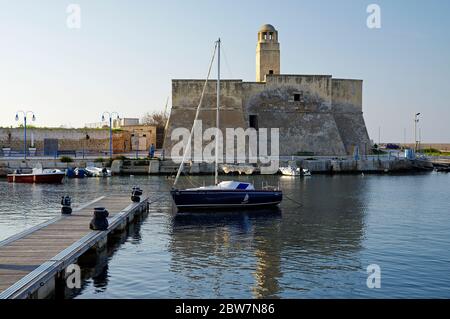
(225, 194)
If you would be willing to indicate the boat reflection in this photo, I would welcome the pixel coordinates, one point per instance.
(208, 248)
(218, 236)
(232, 217)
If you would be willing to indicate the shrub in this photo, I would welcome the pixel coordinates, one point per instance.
(431, 150)
(377, 151)
(66, 159)
(99, 160)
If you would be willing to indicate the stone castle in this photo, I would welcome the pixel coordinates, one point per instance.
(316, 114)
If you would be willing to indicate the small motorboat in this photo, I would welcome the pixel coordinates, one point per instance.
(38, 175)
(294, 171)
(77, 173)
(306, 172)
(444, 169)
(290, 171)
(80, 172)
(98, 172)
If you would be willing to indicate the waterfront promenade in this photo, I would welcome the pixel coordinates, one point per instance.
(389, 163)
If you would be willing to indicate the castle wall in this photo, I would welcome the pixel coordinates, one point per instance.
(347, 109)
(315, 86)
(306, 125)
(326, 120)
(186, 96)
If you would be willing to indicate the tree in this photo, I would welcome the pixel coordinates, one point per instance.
(157, 119)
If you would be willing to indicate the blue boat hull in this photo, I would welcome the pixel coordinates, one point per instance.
(225, 198)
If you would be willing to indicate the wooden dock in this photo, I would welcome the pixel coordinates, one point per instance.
(32, 261)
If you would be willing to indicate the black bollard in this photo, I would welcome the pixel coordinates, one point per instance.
(136, 194)
(100, 221)
(66, 202)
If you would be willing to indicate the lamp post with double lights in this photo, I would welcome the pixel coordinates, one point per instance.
(33, 118)
(110, 115)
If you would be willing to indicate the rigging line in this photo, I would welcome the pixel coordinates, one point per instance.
(166, 125)
(167, 103)
(188, 146)
(226, 62)
(189, 179)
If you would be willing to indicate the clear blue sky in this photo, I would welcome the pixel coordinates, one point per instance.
(126, 53)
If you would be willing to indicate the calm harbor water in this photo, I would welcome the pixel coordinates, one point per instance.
(318, 249)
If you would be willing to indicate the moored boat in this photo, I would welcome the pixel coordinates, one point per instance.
(226, 194)
(38, 175)
(294, 171)
(290, 171)
(98, 172)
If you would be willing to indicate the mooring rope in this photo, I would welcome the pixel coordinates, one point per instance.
(155, 200)
(293, 200)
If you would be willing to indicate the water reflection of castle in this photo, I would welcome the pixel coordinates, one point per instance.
(274, 247)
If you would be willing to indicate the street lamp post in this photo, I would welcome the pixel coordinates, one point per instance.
(110, 115)
(33, 118)
(416, 120)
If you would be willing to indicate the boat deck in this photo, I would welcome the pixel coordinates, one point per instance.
(34, 257)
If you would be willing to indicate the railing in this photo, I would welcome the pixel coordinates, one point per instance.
(75, 154)
(285, 158)
(89, 154)
(57, 154)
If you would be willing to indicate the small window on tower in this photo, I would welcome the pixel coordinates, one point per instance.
(253, 121)
(270, 36)
(298, 97)
(270, 71)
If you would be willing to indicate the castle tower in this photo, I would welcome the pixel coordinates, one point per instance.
(267, 53)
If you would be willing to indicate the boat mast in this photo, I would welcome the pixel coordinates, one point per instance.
(188, 145)
(216, 176)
